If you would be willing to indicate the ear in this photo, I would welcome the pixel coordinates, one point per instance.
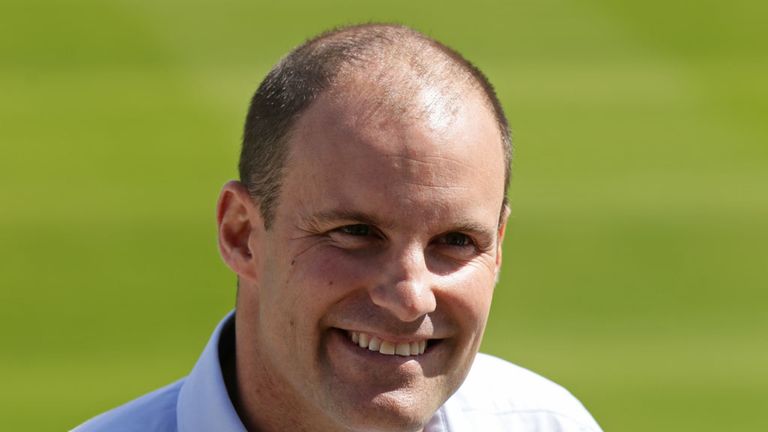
(239, 225)
(500, 235)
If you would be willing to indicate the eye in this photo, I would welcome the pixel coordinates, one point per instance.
(358, 230)
(456, 239)
(355, 236)
(457, 246)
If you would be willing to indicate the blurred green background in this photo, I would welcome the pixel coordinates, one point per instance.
(636, 264)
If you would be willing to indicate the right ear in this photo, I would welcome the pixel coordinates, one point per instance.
(239, 221)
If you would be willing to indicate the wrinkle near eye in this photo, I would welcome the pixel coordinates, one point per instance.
(305, 250)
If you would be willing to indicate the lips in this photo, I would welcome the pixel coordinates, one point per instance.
(376, 344)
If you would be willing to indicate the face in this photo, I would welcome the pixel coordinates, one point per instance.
(365, 303)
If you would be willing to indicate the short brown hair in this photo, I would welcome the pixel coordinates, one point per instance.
(301, 76)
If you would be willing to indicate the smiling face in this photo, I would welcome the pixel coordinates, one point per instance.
(363, 306)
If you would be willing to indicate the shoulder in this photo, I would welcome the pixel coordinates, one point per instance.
(153, 412)
(498, 396)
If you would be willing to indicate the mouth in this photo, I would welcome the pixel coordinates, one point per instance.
(376, 344)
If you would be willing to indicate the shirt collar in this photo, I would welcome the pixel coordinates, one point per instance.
(204, 403)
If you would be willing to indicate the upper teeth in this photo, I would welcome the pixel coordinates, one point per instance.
(373, 343)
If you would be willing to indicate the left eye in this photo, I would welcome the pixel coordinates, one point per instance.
(456, 239)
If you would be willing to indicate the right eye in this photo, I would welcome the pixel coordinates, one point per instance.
(358, 230)
(355, 236)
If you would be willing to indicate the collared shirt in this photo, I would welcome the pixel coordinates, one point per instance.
(496, 396)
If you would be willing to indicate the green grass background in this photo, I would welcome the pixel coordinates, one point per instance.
(635, 263)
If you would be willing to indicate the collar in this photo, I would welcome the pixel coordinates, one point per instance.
(204, 403)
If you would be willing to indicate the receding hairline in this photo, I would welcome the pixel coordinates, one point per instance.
(400, 60)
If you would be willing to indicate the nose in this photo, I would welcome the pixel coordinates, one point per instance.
(406, 286)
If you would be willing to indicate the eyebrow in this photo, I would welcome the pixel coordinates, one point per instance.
(336, 215)
(472, 227)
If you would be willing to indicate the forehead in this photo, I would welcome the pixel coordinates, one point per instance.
(393, 113)
(430, 148)
(429, 96)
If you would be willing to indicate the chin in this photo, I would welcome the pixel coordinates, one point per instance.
(397, 411)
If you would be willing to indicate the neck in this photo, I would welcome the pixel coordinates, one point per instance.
(263, 400)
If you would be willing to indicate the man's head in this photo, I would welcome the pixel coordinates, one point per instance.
(294, 83)
(365, 282)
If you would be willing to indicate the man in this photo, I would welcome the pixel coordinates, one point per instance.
(366, 236)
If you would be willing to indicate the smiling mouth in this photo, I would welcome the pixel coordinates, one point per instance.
(376, 344)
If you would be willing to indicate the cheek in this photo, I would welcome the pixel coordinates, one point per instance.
(317, 281)
(469, 294)
(331, 270)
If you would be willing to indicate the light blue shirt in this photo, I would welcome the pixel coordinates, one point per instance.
(496, 396)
